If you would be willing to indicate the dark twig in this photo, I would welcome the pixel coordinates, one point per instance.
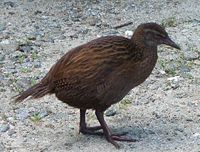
(123, 25)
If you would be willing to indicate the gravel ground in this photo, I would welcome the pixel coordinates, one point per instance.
(163, 113)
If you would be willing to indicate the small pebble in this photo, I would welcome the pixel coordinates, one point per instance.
(110, 112)
(43, 113)
(4, 127)
(176, 78)
(10, 3)
(22, 114)
(2, 57)
(5, 42)
(191, 55)
(92, 21)
(2, 147)
(179, 129)
(184, 69)
(2, 26)
(156, 114)
(128, 33)
(189, 119)
(197, 62)
(37, 64)
(11, 132)
(196, 135)
(25, 48)
(162, 72)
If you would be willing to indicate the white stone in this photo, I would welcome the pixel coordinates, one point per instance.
(128, 33)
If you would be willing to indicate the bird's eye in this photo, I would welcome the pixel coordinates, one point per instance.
(160, 36)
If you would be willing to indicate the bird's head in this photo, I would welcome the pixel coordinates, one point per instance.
(151, 35)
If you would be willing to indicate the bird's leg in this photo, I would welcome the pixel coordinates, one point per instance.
(106, 130)
(87, 130)
(110, 137)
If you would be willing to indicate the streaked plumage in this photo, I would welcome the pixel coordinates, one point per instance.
(101, 72)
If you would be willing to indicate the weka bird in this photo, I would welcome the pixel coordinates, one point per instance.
(101, 72)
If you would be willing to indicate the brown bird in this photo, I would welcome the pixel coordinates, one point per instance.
(101, 72)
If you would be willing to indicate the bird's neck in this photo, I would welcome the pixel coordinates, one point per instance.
(142, 47)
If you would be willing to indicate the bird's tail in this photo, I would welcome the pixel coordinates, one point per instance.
(36, 91)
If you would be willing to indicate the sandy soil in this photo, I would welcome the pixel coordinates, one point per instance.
(163, 113)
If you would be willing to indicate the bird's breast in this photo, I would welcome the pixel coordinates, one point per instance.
(141, 71)
(124, 79)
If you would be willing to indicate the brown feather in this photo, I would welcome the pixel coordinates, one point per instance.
(101, 72)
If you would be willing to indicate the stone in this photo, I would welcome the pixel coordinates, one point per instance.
(184, 69)
(8, 46)
(197, 62)
(5, 42)
(174, 81)
(25, 48)
(43, 113)
(4, 127)
(2, 26)
(22, 114)
(110, 112)
(189, 119)
(37, 64)
(11, 133)
(179, 129)
(10, 4)
(156, 114)
(92, 21)
(2, 57)
(128, 34)
(190, 55)
(2, 147)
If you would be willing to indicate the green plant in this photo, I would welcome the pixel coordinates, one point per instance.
(32, 81)
(14, 86)
(125, 103)
(171, 71)
(4, 117)
(35, 117)
(169, 22)
(162, 63)
(21, 58)
(34, 55)
(25, 70)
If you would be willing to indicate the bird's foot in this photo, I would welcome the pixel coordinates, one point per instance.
(123, 138)
(115, 137)
(91, 130)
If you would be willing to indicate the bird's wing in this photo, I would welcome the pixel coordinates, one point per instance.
(86, 68)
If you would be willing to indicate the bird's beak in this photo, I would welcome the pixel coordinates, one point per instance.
(171, 43)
